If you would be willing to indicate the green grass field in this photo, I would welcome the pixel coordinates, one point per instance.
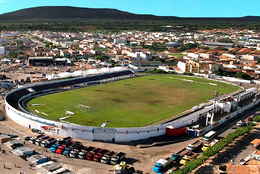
(134, 102)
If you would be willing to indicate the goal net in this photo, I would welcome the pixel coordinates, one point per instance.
(82, 107)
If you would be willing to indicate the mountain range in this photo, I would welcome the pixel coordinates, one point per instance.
(67, 12)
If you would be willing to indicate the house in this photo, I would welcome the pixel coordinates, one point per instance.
(238, 169)
(255, 143)
(244, 51)
(191, 66)
(250, 57)
(119, 40)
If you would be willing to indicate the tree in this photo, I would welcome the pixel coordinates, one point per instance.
(242, 75)
(26, 56)
(188, 46)
(13, 54)
(225, 40)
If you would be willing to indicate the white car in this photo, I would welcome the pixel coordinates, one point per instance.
(240, 123)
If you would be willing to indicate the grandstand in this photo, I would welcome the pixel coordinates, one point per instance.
(16, 97)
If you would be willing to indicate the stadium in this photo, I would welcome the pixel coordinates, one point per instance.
(28, 106)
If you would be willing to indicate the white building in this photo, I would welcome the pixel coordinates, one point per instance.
(120, 41)
(2, 50)
(182, 66)
(250, 57)
(140, 55)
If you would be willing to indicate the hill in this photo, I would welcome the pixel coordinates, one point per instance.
(58, 12)
(67, 12)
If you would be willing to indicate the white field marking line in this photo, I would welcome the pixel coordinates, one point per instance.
(193, 81)
(13, 129)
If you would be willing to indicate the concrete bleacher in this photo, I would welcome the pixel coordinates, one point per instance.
(13, 97)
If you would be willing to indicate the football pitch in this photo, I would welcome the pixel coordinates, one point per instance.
(134, 102)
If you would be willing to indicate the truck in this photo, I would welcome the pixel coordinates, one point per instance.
(122, 168)
(70, 148)
(66, 139)
(39, 140)
(188, 157)
(116, 159)
(180, 154)
(162, 165)
(99, 155)
(209, 136)
(64, 145)
(82, 154)
(74, 153)
(91, 154)
(54, 147)
(194, 146)
(106, 158)
(209, 144)
(33, 139)
(48, 143)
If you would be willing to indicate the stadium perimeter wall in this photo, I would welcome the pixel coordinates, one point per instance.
(106, 134)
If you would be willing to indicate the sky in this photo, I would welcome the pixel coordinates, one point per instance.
(180, 8)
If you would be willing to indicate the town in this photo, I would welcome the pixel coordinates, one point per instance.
(229, 55)
(224, 52)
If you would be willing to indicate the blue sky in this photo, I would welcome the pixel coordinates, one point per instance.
(181, 8)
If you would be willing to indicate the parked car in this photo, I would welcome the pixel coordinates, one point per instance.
(27, 137)
(12, 135)
(250, 119)
(36, 131)
(240, 123)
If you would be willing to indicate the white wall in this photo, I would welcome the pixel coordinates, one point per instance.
(105, 134)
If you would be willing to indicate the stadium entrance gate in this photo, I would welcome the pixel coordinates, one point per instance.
(107, 134)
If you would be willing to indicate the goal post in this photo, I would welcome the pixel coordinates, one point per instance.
(82, 107)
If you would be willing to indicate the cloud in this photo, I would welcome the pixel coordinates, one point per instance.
(4, 1)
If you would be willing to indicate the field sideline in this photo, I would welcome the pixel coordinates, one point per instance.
(134, 102)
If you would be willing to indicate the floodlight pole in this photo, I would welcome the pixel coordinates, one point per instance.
(212, 117)
(238, 97)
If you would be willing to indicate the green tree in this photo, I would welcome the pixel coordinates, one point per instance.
(225, 40)
(13, 54)
(242, 75)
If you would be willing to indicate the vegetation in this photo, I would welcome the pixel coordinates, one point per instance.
(75, 20)
(103, 58)
(13, 53)
(242, 75)
(225, 40)
(155, 47)
(132, 102)
(176, 54)
(257, 118)
(188, 46)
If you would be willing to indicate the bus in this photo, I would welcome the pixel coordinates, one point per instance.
(208, 136)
